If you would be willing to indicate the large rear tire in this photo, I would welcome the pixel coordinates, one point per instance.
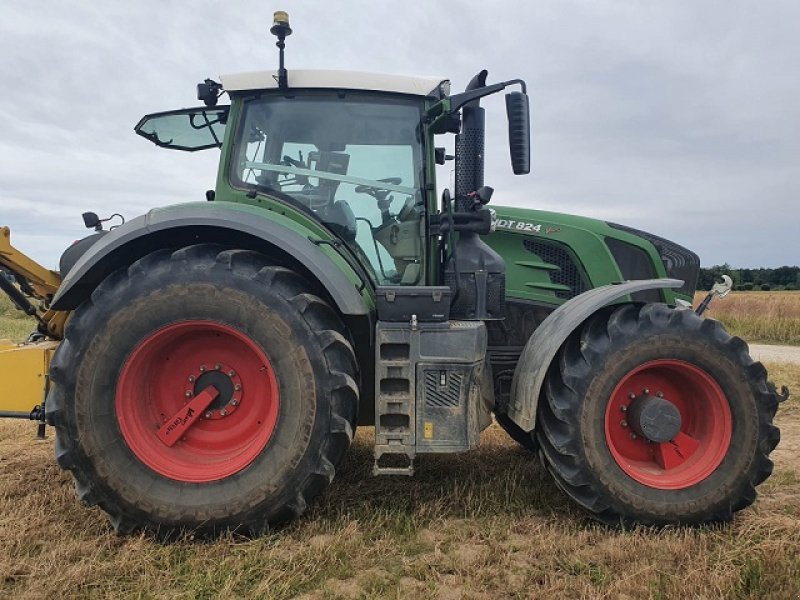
(154, 338)
(654, 415)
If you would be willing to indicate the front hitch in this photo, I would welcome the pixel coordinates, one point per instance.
(721, 289)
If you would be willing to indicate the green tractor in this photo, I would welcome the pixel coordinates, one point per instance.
(219, 355)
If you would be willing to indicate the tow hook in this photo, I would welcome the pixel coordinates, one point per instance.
(784, 395)
(720, 289)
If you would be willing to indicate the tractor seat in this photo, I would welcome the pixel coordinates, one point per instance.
(340, 219)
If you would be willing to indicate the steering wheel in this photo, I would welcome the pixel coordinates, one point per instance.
(292, 162)
(372, 190)
(381, 195)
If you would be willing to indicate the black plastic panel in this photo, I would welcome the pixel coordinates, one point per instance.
(679, 262)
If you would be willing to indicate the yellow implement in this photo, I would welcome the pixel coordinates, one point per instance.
(42, 284)
(23, 371)
(44, 281)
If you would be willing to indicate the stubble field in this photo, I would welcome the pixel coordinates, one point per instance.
(485, 524)
(759, 317)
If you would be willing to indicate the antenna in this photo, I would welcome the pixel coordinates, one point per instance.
(280, 29)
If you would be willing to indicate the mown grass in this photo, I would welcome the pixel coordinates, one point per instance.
(486, 524)
(765, 317)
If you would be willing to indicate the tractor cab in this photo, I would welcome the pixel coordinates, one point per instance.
(351, 158)
(355, 152)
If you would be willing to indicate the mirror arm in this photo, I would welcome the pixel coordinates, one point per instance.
(459, 100)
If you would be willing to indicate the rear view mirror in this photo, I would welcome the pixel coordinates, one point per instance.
(519, 132)
(92, 221)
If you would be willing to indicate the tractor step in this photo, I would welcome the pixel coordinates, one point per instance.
(393, 460)
(395, 415)
(427, 397)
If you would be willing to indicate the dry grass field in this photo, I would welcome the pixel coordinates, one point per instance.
(765, 317)
(485, 524)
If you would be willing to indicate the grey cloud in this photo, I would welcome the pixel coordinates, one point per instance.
(679, 118)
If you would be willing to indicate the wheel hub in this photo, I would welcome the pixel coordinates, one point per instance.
(674, 438)
(225, 380)
(654, 417)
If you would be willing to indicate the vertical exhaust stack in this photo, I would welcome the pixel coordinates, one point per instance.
(475, 272)
(470, 146)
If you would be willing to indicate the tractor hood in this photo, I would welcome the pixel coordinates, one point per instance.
(563, 255)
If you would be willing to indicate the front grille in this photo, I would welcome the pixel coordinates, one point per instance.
(679, 262)
(568, 274)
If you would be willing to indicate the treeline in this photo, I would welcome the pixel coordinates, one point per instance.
(780, 278)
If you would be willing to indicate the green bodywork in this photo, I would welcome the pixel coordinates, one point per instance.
(528, 276)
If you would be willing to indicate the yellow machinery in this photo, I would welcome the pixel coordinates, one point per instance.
(23, 367)
(23, 370)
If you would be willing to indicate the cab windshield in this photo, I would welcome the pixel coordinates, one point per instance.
(353, 160)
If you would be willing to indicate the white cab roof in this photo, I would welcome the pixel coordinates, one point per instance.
(348, 80)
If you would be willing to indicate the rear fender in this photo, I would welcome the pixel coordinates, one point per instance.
(548, 338)
(209, 223)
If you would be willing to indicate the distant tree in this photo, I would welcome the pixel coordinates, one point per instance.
(784, 275)
(776, 278)
(765, 287)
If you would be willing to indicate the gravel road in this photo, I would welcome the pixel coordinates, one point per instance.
(784, 354)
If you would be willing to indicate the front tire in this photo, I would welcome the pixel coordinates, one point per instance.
(154, 337)
(692, 375)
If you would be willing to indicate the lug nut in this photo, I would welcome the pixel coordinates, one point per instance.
(646, 391)
(234, 402)
(188, 394)
(660, 394)
(208, 415)
(632, 396)
(202, 368)
(217, 367)
(633, 436)
(237, 387)
(624, 423)
(191, 378)
(223, 412)
(623, 408)
(231, 373)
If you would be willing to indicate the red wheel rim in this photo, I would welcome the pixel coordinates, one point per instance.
(705, 432)
(167, 369)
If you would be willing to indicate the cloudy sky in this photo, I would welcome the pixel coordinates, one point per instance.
(681, 118)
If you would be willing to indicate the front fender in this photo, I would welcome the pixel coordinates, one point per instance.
(209, 223)
(544, 344)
